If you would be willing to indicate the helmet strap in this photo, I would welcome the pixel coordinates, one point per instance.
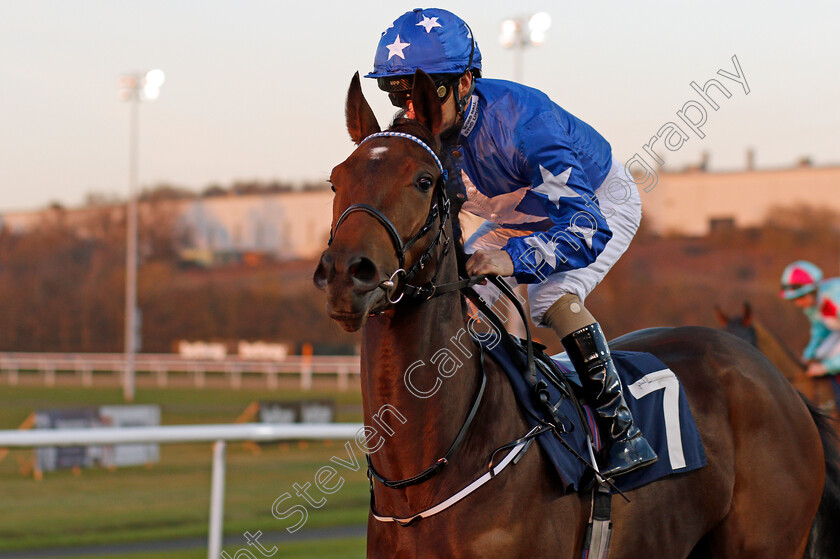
(461, 103)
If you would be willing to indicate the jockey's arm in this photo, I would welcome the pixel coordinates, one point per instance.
(579, 232)
(819, 332)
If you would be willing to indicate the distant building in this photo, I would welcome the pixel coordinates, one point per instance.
(697, 202)
(284, 225)
(296, 224)
(22, 221)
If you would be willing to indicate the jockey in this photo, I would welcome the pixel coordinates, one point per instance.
(802, 283)
(559, 209)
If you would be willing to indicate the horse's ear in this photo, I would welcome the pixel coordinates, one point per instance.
(748, 316)
(722, 318)
(361, 122)
(426, 103)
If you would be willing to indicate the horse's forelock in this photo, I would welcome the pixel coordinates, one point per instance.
(411, 126)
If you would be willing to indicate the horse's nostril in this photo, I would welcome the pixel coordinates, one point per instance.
(363, 271)
(323, 272)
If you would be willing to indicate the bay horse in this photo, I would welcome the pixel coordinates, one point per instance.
(386, 272)
(750, 329)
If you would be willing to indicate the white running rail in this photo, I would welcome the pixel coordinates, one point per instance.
(218, 434)
(162, 365)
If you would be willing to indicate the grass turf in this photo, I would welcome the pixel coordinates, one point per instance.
(170, 500)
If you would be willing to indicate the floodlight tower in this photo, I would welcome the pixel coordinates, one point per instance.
(134, 88)
(518, 33)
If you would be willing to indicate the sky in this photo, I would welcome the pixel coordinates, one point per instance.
(255, 89)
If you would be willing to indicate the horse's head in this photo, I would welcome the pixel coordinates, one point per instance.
(741, 326)
(388, 195)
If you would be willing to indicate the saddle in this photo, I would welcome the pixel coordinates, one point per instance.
(550, 395)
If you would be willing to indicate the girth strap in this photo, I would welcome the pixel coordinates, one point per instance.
(596, 539)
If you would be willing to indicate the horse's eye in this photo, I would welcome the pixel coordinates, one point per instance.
(425, 184)
(332, 187)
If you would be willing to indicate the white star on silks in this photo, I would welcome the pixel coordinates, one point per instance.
(429, 23)
(582, 233)
(546, 249)
(554, 186)
(396, 48)
(500, 206)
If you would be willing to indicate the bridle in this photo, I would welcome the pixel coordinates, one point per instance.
(440, 210)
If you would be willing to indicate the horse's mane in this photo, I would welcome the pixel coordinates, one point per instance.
(769, 340)
(415, 128)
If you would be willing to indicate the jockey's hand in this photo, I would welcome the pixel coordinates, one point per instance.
(816, 369)
(490, 262)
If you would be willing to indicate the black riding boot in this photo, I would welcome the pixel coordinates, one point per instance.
(627, 449)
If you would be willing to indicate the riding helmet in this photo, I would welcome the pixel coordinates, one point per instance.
(800, 278)
(433, 40)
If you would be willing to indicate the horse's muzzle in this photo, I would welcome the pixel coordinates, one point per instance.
(361, 271)
(351, 282)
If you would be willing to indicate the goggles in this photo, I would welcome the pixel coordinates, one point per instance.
(792, 291)
(399, 89)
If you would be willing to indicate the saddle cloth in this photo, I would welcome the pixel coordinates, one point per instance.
(654, 396)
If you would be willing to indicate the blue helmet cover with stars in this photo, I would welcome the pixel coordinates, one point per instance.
(433, 40)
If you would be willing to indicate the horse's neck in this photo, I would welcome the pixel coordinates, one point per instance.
(408, 398)
(776, 351)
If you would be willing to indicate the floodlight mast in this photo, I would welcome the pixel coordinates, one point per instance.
(520, 32)
(514, 36)
(134, 88)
